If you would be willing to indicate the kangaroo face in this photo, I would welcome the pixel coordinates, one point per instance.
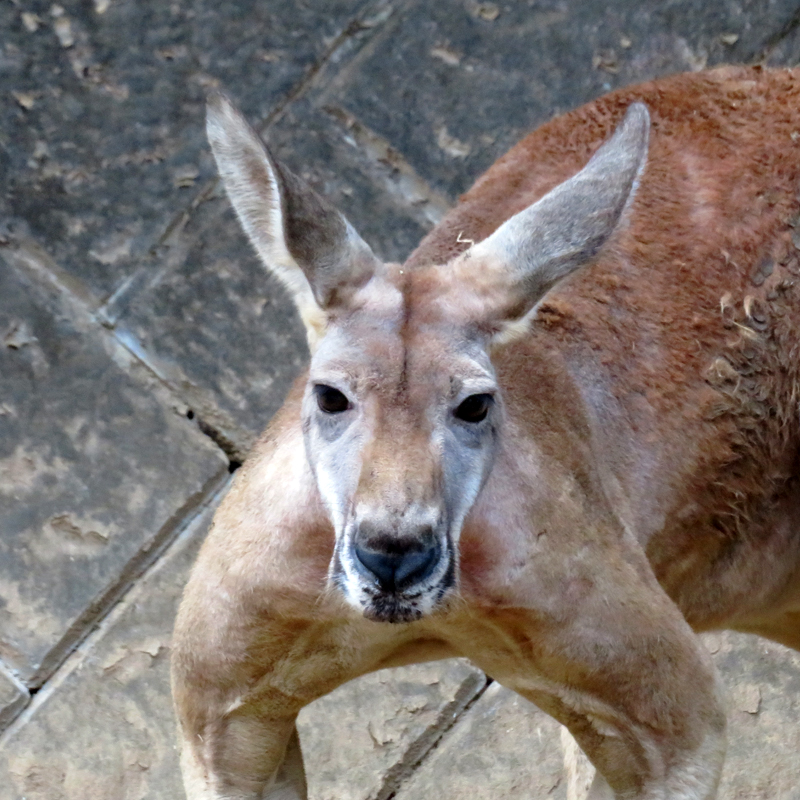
(400, 419)
(402, 415)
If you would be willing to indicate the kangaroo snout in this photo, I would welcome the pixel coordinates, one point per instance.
(396, 561)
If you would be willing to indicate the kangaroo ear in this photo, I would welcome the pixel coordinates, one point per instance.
(538, 247)
(299, 236)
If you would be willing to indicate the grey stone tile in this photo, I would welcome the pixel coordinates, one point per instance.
(762, 682)
(452, 85)
(214, 324)
(502, 747)
(361, 741)
(103, 728)
(96, 466)
(13, 697)
(101, 125)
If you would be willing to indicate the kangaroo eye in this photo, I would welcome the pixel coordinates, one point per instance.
(330, 400)
(474, 408)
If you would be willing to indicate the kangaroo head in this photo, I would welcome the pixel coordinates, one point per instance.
(402, 414)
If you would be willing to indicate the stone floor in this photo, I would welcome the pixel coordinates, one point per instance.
(142, 348)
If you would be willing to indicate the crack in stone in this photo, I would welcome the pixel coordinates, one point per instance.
(400, 178)
(775, 39)
(113, 594)
(81, 307)
(423, 746)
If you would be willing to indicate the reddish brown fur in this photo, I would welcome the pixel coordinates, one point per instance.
(662, 316)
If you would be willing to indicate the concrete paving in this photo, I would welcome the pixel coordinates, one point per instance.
(142, 349)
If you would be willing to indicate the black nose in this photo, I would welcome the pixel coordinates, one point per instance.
(398, 564)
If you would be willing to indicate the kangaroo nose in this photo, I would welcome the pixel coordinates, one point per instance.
(397, 564)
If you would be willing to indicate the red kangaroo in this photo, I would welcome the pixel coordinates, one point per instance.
(560, 440)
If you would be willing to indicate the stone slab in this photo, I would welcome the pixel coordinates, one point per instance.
(103, 727)
(96, 466)
(363, 740)
(101, 125)
(214, 324)
(13, 696)
(762, 682)
(502, 747)
(453, 84)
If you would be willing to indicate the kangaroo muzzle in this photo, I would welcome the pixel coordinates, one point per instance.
(396, 563)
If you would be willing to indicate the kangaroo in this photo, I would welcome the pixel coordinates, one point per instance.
(560, 440)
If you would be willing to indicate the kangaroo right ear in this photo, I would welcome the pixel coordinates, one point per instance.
(300, 237)
(514, 267)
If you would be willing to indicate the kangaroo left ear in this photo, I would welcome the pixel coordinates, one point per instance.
(300, 237)
(535, 249)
